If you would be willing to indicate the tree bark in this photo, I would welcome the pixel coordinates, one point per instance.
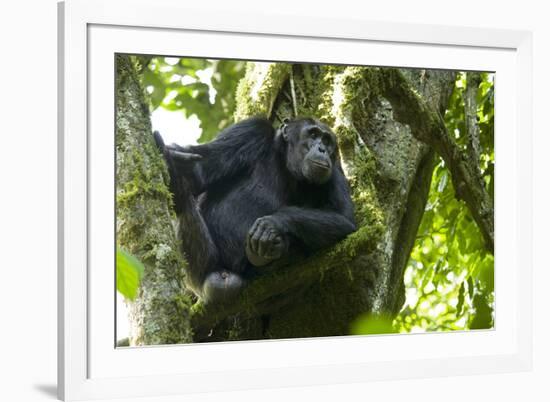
(161, 312)
(427, 125)
(389, 171)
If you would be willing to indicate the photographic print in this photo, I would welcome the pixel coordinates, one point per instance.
(274, 200)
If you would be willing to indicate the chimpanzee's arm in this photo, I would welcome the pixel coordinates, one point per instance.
(315, 228)
(271, 236)
(319, 228)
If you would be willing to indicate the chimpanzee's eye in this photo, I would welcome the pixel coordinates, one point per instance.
(314, 132)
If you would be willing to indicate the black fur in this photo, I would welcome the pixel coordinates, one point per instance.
(253, 196)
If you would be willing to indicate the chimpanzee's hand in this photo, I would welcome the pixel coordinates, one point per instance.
(265, 241)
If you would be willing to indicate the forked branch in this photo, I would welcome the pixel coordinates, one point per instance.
(427, 125)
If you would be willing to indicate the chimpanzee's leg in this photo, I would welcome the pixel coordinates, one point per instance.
(205, 274)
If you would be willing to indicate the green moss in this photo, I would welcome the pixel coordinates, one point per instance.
(326, 89)
(259, 88)
(357, 243)
(171, 331)
(346, 90)
(141, 182)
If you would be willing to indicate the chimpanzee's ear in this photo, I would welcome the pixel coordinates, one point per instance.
(283, 130)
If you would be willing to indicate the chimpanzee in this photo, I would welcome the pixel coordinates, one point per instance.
(252, 196)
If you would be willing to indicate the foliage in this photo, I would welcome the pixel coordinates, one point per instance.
(449, 278)
(201, 87)
(129, 271)
(368, 324)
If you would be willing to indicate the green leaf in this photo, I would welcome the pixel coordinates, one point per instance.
(460, 304)
(483, 318)
(470, 288)
(442, 183)
(487, 274)
(370, 324)
(129, 271)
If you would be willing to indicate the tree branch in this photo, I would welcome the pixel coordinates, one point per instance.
(473, 80)
(293, 92)
(268, 291)
(428, 126)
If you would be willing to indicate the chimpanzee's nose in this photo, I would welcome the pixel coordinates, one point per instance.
(321, 149)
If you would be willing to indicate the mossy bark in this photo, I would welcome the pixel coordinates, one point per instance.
(161, 312)
(428, 126)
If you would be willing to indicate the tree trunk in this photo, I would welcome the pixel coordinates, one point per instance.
(161, 312)
(389, 171)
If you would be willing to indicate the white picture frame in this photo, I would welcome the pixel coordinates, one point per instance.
(89, 367)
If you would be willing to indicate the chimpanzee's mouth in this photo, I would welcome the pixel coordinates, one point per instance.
(321, 164)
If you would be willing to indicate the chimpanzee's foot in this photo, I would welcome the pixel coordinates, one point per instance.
(222, 286)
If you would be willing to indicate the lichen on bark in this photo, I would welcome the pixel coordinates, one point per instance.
(160, 314)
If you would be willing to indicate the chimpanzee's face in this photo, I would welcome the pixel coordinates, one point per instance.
(311, 150)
